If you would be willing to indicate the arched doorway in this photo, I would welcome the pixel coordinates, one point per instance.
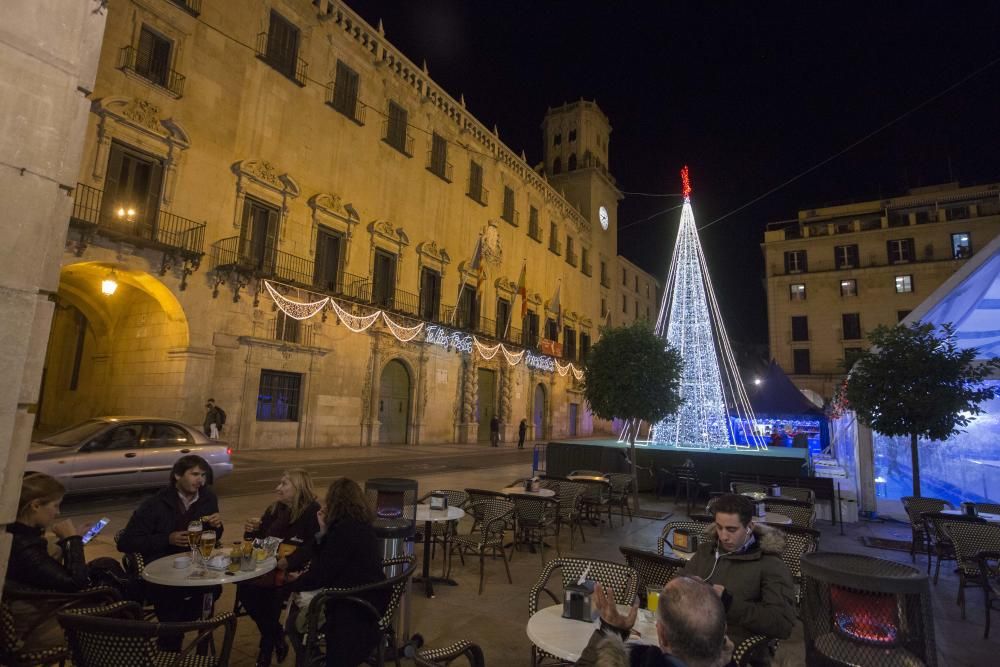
(109, 354)
(538, 411)
(394, 403)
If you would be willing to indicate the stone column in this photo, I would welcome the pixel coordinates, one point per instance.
(508, 430)
(370, 422)
(48, 63)
(468, 428)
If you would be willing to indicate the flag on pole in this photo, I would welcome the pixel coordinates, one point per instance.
(522, 290)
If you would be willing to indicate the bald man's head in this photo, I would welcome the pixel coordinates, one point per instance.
(692, 622)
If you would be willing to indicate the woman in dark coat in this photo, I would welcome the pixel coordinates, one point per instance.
(292, 518)
(346, 555)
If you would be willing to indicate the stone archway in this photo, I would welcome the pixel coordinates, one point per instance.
(111, 354)
(395, 391)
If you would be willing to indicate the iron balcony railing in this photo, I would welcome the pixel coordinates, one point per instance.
(355, 288)
(587, 271)
(119, 220)
(193, 7)
(398, 300)
(286, 62)
(555, 247)
(161, 76)
(535, 231)
(243, 255)
(353, 108)
(478, 194)
(570, 257)
(440, 167)
(396, 136)
(511, 216)
(286, 329)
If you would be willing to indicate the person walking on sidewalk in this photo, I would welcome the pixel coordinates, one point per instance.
(215, 418)
(494, 432)
(522, 430)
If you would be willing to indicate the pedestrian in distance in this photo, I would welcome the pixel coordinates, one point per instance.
(522, 430)
(494, 431)
(215, 419)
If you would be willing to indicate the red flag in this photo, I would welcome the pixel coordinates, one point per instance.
(522, 290)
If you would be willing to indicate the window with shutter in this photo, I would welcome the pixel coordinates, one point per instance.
(508, 205)
(503, 317)
(282, 45)
(439, 156)
(384, 283)
(395, 132)
(476, 181)
(800, 328)
(430, 294)
(345, 91)
(468, 308)
(326, 273)
(133, 183)
(152, 59)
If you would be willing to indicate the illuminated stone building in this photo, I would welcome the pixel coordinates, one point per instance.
(837, 272)
(235, 145)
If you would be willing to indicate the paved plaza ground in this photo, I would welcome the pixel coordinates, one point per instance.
(496, 619)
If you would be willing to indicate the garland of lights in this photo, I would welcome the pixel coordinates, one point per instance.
(434, 333)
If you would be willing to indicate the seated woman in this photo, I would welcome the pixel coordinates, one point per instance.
(346, 555)
(292, 517)
(30, 563)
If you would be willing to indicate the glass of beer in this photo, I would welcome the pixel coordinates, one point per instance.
(207, 544)
(194, 534)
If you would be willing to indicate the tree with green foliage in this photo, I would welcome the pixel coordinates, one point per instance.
(632, 374)
(915, 381)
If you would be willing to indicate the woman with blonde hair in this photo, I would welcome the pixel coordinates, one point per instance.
(346, 555)
(292, 517)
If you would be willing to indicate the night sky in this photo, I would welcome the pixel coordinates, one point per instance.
(748, 94)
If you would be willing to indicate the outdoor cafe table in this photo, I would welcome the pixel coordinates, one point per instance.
(429, 516)
(519, 490)
(566, 638)
(992, 518)
(776, 518)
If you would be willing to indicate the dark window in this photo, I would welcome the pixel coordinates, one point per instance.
(122, 437)
(556, 166)
(569, 343)
(476, 182)
(152, 59)
(585, 261)
(534, 229)
(529, 329)
(849, 287)
(278, 397)
(165, 435)
(795, 261)
(571, 163)
(800, 362)
(384, 279)
(624, 304)
(570, 251)
(345, 91)
(584, 346)
(899, 218)
(395, 129)
(846, 256)
(635, 280)
(430, 294)
(900, 251)
(468, 308)
(556, 140)
(551, 329)
(508, 206)
(635, 309)
(923, 217)
(800, 328)
(956, 213)
(902, 315)
(287, 328)
(624, 277)
(259, 236)
(852, 326)
(554, 237)
(904, 284)
(604, 274)
(572, 135)
(439, 157)
(326, 274)
(797, 292)
(961, 245)
(132, 192)
(282, 45)
(604, 307)
(503, 317)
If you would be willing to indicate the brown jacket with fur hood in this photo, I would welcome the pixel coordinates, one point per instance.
(760, 594)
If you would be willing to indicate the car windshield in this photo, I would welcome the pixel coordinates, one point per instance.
(74, 435)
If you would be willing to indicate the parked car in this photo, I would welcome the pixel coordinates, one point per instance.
(123, 453)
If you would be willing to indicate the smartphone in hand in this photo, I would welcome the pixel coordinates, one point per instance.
(95, 529)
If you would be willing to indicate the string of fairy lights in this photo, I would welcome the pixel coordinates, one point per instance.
(434, 334)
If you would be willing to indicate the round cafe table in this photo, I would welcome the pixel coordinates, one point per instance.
(776, 519)
(429, 516)
(519, 490)
(162, 571)
(566, 638)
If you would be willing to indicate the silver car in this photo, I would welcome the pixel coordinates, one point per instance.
(123, 453)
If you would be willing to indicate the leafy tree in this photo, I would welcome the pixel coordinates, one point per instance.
(632, 374)
(916, 382)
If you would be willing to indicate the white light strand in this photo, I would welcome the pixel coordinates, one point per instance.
(484, 351)
(563, 369)
(577, 372)
(402, 334)
(295, 309)
(355, 323)
(513, 358)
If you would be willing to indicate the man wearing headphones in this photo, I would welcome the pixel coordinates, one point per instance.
(742, 561)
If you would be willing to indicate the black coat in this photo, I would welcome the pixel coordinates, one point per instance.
(31, 565)
(277, 522)
(148, 530)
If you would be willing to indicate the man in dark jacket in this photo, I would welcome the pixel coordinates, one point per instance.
(158, 528)
(494, 431)
(743, 563)
(690, 630)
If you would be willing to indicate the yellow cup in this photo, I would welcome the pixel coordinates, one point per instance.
(652, 600)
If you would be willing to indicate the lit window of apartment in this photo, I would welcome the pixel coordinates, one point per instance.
(797, 292)
(961, 246)
(904, 284)
(849, 287)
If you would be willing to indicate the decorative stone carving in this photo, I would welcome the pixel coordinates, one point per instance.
(508, 287)
(145, 113)
(506, 392)
(471, 393)
(491, 248)
(383, 229)
(430, 251)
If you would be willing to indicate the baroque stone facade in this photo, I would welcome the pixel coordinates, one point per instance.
(331, 168)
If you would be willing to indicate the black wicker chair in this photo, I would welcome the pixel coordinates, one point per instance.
(475, 511)
(654, 569)
(314, 653)
(569, 495)
(595, 501)
(620, 578)
(754, 650)
(495, 515)
(988, 508)
(668, 528)
(801, 513)
(798, 542)
(442, 657)
(939, 542)
(914, 507)
(13, 651)
(622, 485)
(536, 518)
(116, 636)
(687, 481)
(441, 531)
(989, 571)
(969, 539)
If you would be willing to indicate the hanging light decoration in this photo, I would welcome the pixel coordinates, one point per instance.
(402, 334)
(295, 309)
(109, 285)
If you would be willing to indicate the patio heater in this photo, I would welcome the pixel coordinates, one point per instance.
(859, 610)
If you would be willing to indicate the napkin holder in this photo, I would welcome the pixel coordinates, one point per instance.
(969, 509)
(438, 501)
(529, 485)
(759, 509)
(684, 540)
(577, 602)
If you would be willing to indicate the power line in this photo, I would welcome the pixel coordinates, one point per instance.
(652, 194)
(863, 139)
(646, 219)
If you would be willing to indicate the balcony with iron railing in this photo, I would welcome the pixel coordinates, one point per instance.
(586, 269)
(192, 7)
(477, 193)
(243, 256)
(512, 216)
(439, 166)
(286, 62)
(396, 136)
(123, 221)
(160, 76)
(286, 330)
(554, 246)
(571, 257)
(535, 231)
(349, 106)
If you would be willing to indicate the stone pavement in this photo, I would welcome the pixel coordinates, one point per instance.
(496, 620)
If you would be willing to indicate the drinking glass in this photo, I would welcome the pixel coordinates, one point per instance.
(652, 600)
(207, 544)
(194, 534)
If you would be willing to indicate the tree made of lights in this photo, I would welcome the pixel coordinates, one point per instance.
(690, 321)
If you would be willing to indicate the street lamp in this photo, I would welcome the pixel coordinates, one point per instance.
(757, 381)
(109, 285)
(125, 213)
